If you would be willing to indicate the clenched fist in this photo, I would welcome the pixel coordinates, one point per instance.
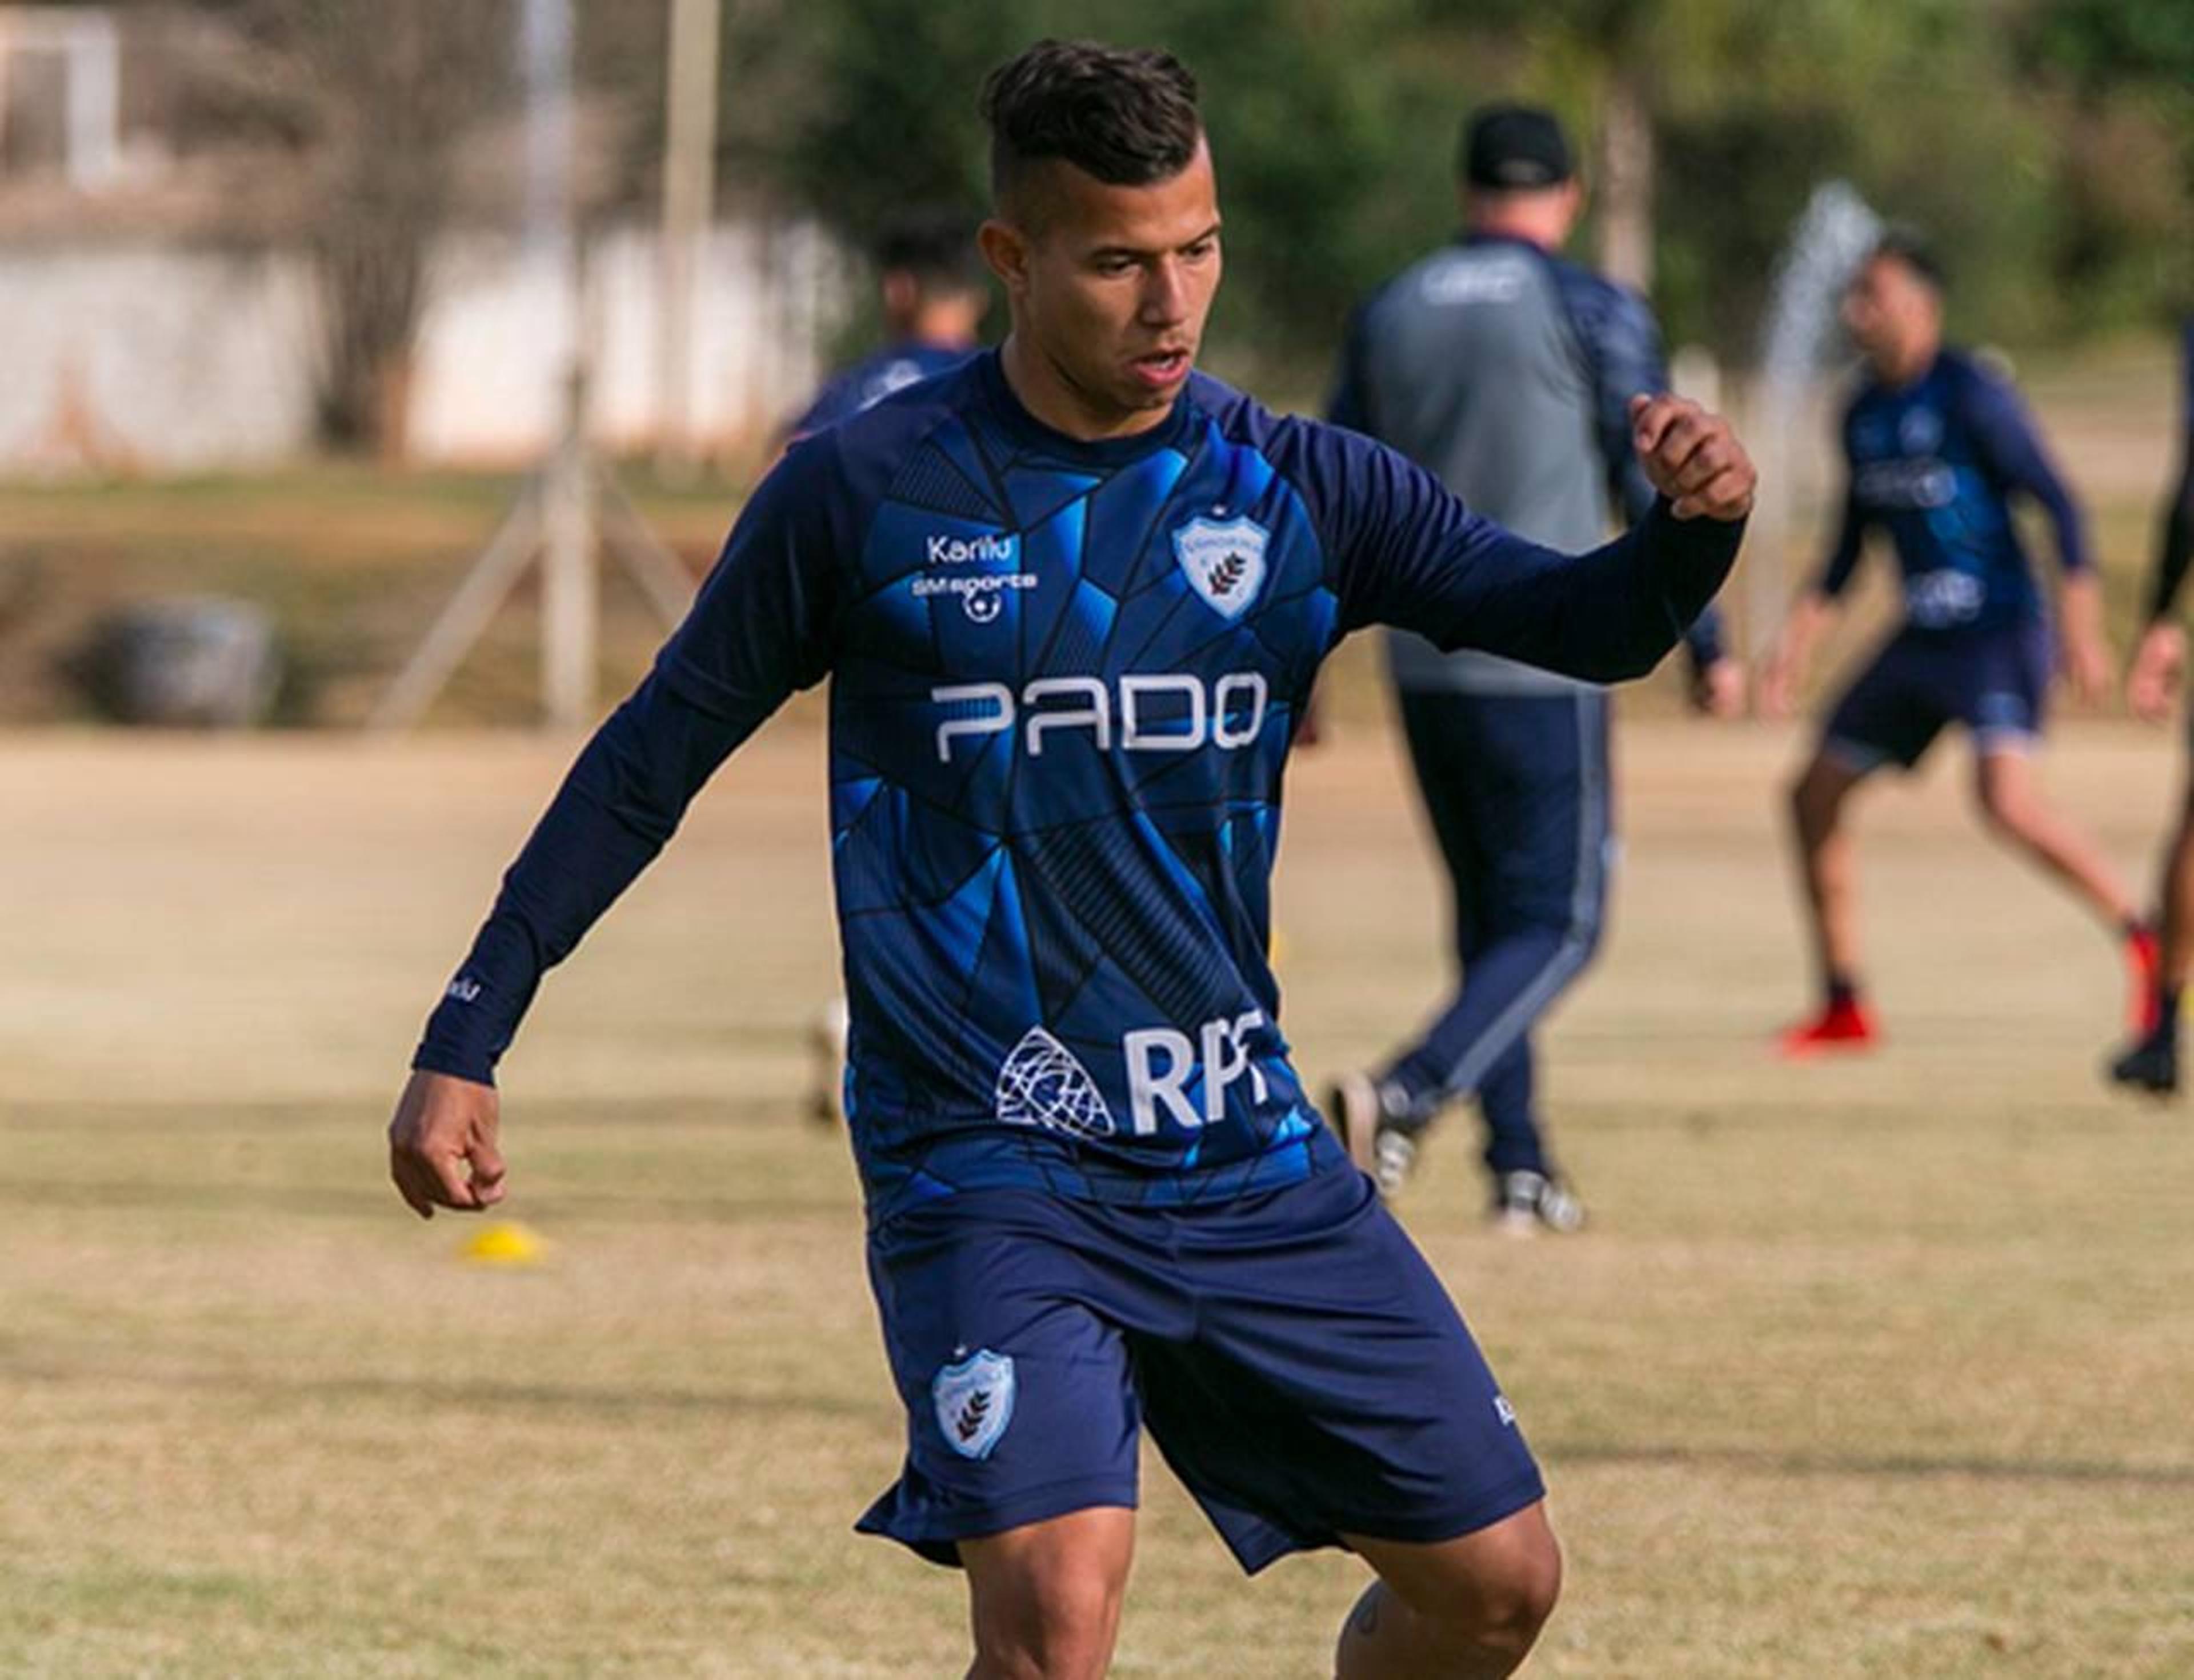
(1692, 458)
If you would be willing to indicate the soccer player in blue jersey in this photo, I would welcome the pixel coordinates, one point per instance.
(1070, 599)
(935, 294)
(2150, 1062)
(1937, 447)
(1508, 372)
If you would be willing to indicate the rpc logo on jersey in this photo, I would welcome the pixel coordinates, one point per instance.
(974, 1402)
(1224, 561)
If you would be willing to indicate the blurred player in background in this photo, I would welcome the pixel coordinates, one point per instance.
(2150, 1062)
(1070, 598)
(1937, 448)
(933, 292)
(1508, 373)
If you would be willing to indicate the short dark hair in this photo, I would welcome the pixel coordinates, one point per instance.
(1909, 246)
(936, 245)
(1125, 115)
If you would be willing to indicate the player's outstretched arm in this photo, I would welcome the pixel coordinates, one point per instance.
(442, 1145)
(760, 628)
(1414, 556)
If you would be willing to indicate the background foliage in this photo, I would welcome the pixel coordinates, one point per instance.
(2047, 145)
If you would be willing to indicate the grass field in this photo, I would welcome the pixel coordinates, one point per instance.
(1883, 1368)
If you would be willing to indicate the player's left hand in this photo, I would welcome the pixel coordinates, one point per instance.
(1692, 458)
(1718, 690)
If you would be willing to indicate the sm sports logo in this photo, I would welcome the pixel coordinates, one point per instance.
(968, 569)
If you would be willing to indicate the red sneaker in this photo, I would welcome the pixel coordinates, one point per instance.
(1839, 1027)
(2144, 966)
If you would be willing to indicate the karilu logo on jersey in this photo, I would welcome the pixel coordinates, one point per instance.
(964, 559)
(1224, 560)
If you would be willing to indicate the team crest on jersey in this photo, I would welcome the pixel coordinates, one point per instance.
(1224, 561)
(1043, 1084)
(974, 1401)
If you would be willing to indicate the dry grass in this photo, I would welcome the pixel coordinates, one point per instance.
(1875, 1369)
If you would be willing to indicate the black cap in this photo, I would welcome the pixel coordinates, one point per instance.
(1510, 148)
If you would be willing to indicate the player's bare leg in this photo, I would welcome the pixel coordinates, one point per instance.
(2177, 892)
(1828, 874)
(1825, 863)
(1044, 1598)
(2013, 806)
(1459, 1608)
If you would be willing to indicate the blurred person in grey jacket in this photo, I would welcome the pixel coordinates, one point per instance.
(1508, 371)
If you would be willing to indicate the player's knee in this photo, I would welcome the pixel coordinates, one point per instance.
(1510, 1593)
(1520, 1593)
(1058, 1627)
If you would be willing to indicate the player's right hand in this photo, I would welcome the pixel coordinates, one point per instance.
(442, 1148)
(2157, 663)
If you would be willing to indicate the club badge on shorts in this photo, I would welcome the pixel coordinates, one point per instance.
(1224, 560)
(974, 1401)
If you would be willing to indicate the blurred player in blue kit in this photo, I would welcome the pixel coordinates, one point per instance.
(2150, 1062)
(1508, 373)
(933, 293)
(1937, 447)
(1071, 598)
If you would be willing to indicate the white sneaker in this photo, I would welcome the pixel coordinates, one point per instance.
(1525, 1203)
(1377, 1146)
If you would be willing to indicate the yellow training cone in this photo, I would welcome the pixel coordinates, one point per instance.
(504, 1243)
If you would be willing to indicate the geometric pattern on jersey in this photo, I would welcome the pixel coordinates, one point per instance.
(1055, 776)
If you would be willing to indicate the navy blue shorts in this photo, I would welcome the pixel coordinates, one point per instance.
(1298, 1363)
(1994, 682)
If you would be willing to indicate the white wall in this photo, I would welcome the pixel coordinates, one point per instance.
(164, 359)
(150, 358)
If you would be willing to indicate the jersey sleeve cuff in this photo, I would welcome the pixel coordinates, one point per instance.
(432, 1058)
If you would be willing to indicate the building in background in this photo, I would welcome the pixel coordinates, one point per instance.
(165, 291)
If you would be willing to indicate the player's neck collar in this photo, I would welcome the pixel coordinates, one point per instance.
(1024, 428)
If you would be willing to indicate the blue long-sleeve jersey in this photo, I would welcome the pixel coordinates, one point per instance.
(870, 380)
(1936, 464)
(1064, 679)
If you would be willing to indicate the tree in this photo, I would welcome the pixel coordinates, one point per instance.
(374, 96)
